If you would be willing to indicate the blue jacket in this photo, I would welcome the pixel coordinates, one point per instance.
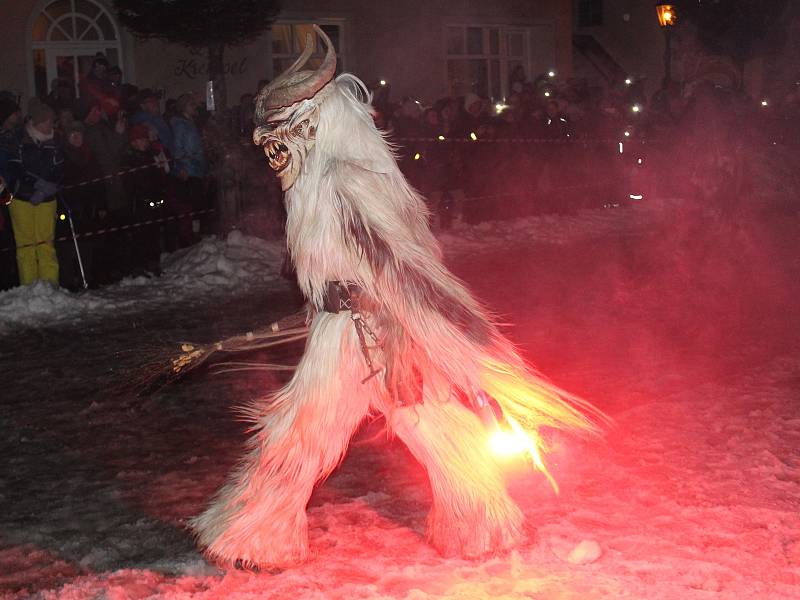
(189, 154)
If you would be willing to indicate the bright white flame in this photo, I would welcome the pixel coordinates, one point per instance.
(383, 82)
(472, 136)
(506, 443)
(639, 161)
(440, 138)
(627, 134)
(417, 156)
(500, 107)
(764, 103)
(620, 147)
(547, 94)
(531, 442)
(636, 108)
(628, 81)
(635, 196)
(551, 73)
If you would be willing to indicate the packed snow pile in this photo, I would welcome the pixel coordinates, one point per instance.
(210, 268)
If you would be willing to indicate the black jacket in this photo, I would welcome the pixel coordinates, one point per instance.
(35, 161)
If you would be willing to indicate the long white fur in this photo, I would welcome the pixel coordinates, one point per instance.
(350, 179)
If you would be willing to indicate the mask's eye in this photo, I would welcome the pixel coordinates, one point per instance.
(297, 130)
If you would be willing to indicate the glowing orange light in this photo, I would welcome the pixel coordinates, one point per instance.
(667, 17)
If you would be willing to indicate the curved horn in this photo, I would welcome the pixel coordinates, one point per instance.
(303, 58)
(327, 69)
(307, 87)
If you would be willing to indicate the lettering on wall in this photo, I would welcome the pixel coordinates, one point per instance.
(196, 66)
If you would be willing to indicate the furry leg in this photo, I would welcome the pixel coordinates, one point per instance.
(299, 437)
(472, 513)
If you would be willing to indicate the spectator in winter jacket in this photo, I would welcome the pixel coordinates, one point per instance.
(96, 88)
(190, 169)
(81, 167)
(190, 158)
(38, 169)
(107, 142)
(84, 195)
(146, 188)
(149, 113)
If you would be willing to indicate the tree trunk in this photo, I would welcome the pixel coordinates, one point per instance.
(216, 73)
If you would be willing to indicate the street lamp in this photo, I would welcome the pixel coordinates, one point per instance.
(667, 17)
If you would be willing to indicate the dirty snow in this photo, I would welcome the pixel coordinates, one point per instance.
(683, 329)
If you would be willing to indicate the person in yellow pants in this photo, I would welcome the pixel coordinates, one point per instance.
(38, 169)
(34, 230)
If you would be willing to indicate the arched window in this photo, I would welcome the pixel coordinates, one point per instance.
(65, 37)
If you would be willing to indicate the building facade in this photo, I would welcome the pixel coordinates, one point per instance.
(620, 38)
(424, 49)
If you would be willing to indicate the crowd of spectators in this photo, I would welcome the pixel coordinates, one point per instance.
(557, 145)
(101, 163)
(550, 146)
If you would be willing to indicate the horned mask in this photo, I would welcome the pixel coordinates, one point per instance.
(287, 112)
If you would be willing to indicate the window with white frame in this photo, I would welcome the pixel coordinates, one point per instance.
(65, 37)
(289, 40)
(482, 59)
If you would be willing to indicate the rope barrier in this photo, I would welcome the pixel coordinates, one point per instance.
(127, 226)
(115, 229)
(111, 176)
(157, 164)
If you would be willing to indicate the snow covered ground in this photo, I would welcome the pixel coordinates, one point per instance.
(682, 328)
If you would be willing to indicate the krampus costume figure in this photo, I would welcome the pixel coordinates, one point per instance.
(391, 331)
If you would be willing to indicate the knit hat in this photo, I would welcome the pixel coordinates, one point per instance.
(140, 131)
(40, 112)
(7, 108)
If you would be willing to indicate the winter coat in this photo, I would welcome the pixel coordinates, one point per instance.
(145, 188)
(80, 166)
(108, 146)
(38, 169)
(189, 154)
